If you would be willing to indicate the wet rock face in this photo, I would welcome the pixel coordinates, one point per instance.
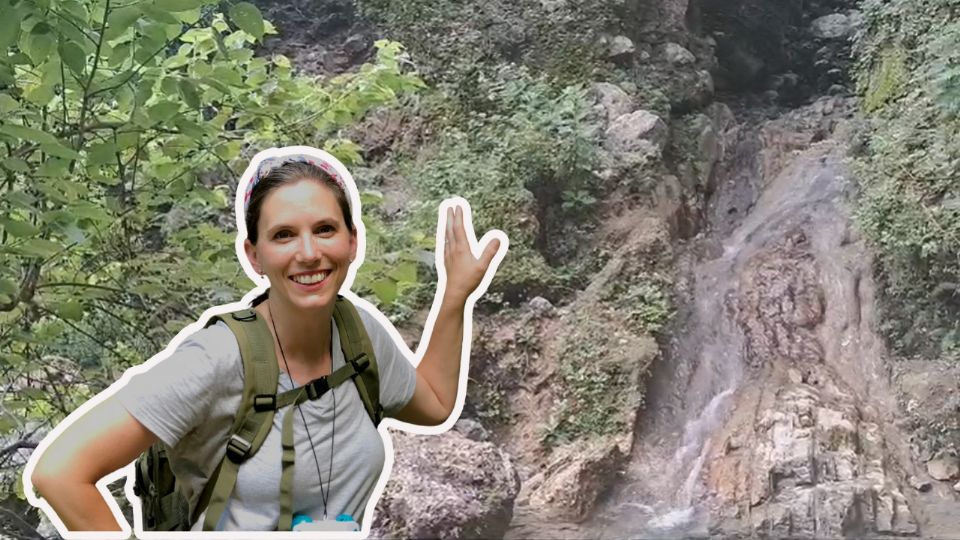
(808, 465)
(781, 304)
(792, 51)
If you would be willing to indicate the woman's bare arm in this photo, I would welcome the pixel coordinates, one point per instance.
(438, 373)
(103, 440)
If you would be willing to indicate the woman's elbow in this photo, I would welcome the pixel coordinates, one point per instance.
(44, 476)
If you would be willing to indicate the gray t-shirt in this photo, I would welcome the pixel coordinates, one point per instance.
(189, 400)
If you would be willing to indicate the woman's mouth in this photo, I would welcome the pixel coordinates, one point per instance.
(312, 280)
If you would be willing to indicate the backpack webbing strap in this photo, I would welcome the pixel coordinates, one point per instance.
(357, 347)
(252, 424)
(312, 390)
(287, 466)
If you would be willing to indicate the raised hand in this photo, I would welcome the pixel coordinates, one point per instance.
(464, 270)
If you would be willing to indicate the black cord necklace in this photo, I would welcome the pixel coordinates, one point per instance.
(333, 436)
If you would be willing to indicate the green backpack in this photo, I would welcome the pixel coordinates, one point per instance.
(165, 508)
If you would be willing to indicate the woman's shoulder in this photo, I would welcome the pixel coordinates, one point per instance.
(212, 350)
(375, 322)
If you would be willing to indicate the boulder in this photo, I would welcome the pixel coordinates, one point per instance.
(612, 100)
(944, 468)
(446, 486)
(621, 49)
(472, 430)
(636, 131)
(678, 55)
(836, 25)
(919, 484)
(578, 473)
(541, 306)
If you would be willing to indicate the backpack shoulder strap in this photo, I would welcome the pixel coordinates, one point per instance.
(356, 345)
(257, 406)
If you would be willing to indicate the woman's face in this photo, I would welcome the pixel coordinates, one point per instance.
(304, 245)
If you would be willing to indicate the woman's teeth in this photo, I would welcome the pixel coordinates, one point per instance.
(311, 278)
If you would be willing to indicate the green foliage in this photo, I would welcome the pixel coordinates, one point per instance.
(644, 300)
(398, 272)
(459, 43)
(594, 401)
(524, 162)
(910, 185)
(886, 80)
(122, 132)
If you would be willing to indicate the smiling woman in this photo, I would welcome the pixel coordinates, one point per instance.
(296, 381)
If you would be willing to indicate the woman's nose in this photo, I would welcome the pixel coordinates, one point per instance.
(308, 250)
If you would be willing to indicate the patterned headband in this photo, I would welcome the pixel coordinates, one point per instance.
(272, 163)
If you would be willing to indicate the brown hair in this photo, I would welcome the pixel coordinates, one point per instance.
(288, 173)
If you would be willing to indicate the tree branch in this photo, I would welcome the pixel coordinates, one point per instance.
(81, 331)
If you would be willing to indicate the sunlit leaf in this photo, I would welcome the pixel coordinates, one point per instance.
(38, 247)
(8, 287)
(9, 27)
(120, 20)
(178, 5)
(18, 228)
(404, 272)
(163, 111)
(188, 90)
(159, 13)
(246, 16)
(15, 164)
(7, 103)
(73, 56)
(385, 289)
(39, 43)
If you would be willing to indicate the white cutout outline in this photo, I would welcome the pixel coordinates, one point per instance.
(261, 285)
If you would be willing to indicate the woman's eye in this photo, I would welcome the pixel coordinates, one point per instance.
(282, 234)
(323, 229)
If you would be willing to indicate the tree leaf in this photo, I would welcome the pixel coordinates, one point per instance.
(7, 423)
(71, 310)
(20, 229)
(28, 134)
(121, 19)
(177, 5)
(248, 18)
(38, 247)
(101, 153)
(40, 95)
(227, 75)
(39, 43)
(405, 272)
(59, 150)
(385, 289)
(73, 56)
(160, 14)
(9, 28)
(163, 111)
(7, 103)
(21, 199)
(8, 287)
(188, 91)
(190, 129)
(56, 168)
(124, 77)
(15, 164)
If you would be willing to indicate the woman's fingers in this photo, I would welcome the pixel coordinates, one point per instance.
(459, 230)
(450, 236)
(493, 246)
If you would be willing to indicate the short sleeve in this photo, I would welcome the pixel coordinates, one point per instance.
(177, 393)
(398, 377)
